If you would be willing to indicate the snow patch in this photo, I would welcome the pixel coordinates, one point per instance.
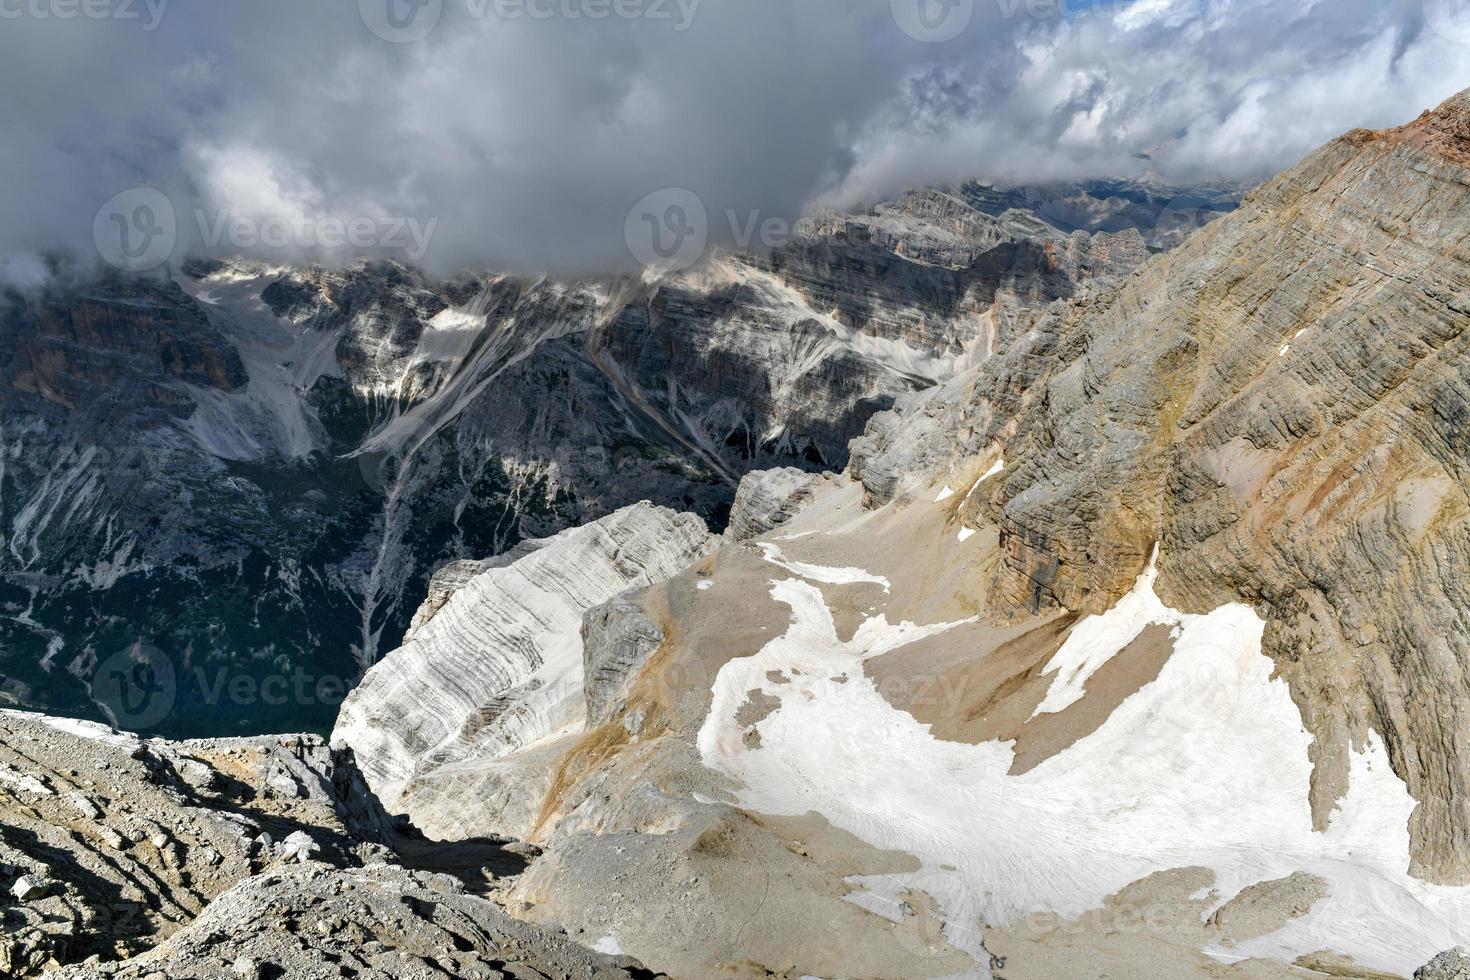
(822, 573)
(1204, 766)
(996, 469)
(608, 946)
(1097, 639)
(90, 730)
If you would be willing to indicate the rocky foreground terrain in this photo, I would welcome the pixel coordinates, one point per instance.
(252, 471)
(255, 858)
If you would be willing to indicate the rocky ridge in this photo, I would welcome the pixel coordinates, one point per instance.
(499, 666)
(255, 858)
(380, 922)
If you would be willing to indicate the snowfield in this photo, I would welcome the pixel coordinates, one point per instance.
(1205, 766)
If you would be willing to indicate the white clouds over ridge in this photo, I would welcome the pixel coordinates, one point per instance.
(528, 137)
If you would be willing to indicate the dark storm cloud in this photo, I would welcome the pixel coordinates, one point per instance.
(518, 133)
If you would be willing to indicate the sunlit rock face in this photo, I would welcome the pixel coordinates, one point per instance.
(1277, 402)
(499, 667)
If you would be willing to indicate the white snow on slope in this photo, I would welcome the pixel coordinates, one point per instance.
(1097, 639)
(822, 573)
(1205, 766)
(90, 730)
(996, 468)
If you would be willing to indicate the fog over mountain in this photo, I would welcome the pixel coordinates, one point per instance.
(517, 134)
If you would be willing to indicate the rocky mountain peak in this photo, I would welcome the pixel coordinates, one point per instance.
(1442, 132)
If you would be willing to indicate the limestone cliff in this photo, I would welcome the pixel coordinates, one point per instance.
(1278, 405)
(500, 665)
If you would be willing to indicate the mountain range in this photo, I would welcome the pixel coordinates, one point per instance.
(981, 585)
(239, 478)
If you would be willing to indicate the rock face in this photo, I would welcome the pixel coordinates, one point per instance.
(767, 499)
(254, 471)
(380, 922)
(617, 640)
(1453, 964)
(76, 353)
(1288, 433)
(500, 666)
(108, 842)
(449, 580)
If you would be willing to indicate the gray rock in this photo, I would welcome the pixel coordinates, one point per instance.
(443, 584)
(197, 774)
(387, 921)
(1452, 964)
(617, 640)
(119, 899)
(30, 888)
(498, 667)
(85, 806)
(767, 499)
(298, 848)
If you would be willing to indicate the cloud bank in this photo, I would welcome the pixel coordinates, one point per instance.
(517, 134)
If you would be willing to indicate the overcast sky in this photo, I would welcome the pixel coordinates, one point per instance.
(519, 133)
